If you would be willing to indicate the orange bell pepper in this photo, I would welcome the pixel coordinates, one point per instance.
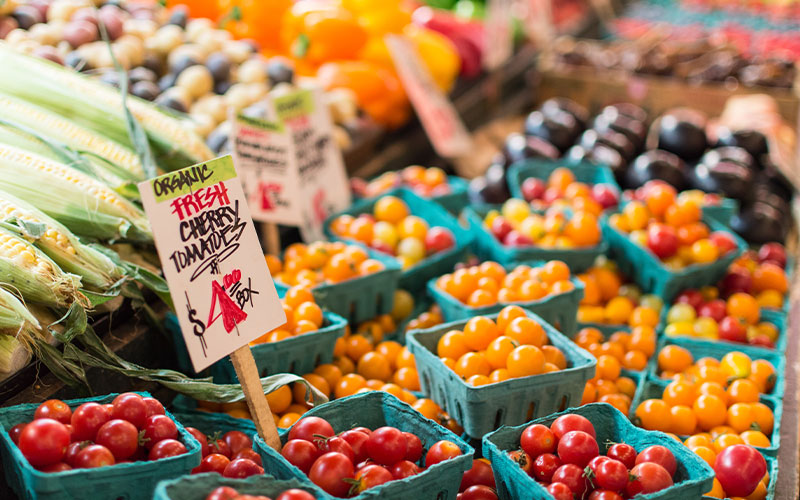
(438, 53)
(319, 32)
(256, 19)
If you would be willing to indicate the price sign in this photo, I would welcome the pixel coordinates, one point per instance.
(223, 293)
(499, 33)
(439, 118)
(321, 181)
(266, 159)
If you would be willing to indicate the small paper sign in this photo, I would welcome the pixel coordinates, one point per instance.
(223, 293)
(439, 118)
(322, 185)
(498, 32)
(266, 159)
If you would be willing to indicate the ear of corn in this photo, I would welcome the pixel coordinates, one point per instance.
(58, 242)
(55, 128)
(14, 355)
(98, 107)
(28, 271)
(83, 204)
(14, 316)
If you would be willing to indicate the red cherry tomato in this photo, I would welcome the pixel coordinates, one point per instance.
(94, 456)
(739, 468)
(242, 468)
(87, 419)
(545, 466)
(154, 406)
(131, 407)
(72, 452)
(295, 494)
(571, 422)
(441, 451)
(250, 454)
(330, 471)
(648, 477)
(479, 492)
(611, 475)
(214, 463)
(560, 491)
(55, 409)
(660, 455)
(413, 447)
(479, 473)
(572, 476)
(577, 447)
(157, 428)
(309, 428)
(362, 429)
(15, 431)
(625, 453)
(662, 240)
(201, 438)
(604, 495)
(370, 477)
(44, 441)
(237, 440)
(166, 448)
(120, 437)
(223, 493)
(221, 447)
(523, 460)
(356, 440)
(386, 445)
(59, 467)
(404, 469)
(300, 453)
(537, 439)
(335, 444)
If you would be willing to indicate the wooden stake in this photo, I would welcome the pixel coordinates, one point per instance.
(246, 370)
(271, 238)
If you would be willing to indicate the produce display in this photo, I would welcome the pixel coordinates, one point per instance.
(600, 311)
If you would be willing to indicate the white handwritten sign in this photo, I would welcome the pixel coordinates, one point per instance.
(265, 157)
(439, 118)
(223, 293)
(322, 185)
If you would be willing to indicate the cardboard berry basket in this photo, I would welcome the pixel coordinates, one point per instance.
(653, 388)
(587, 173)
(652, 275)
(198, 486)
(510, 402)
(488, 248)
(373, 410)
(692, 479)
(414, 278)
(560, 310)
(127, 481)
(360, 298)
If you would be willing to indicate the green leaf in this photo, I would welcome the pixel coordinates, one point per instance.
(300, 46)
(34, 229)
(235, 14)
(68, 372)
(75, 324)
(95, 298)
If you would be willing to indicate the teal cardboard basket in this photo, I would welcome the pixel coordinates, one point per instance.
(559, 310)
(708, 349)
(692, 478)
(654, 388)
(198, 486)
(587, 173)
(128, 481)
(414, 278)
(298, 354)
(722, 213)
(483, 409)
(487, 247)
(372, 410)
(361, 298)
(652, 276)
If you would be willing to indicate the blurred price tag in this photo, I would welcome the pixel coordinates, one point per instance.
(439, 118)
(499, 33)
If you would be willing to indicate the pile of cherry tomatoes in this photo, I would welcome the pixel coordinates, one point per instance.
(518, 225)
(426, 182)
(359, 459)
(130, 428)
(561, 188)
(321, 262)
(232, 455)
(228, 493)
